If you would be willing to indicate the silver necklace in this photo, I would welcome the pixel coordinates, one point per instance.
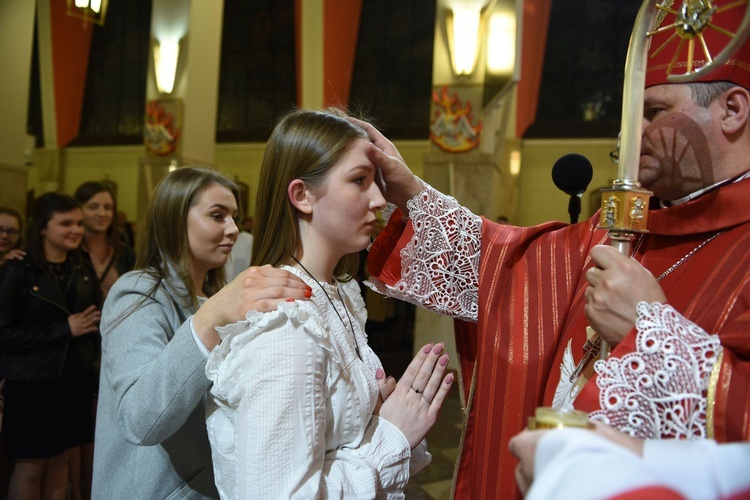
(684, 257)
(354, 335)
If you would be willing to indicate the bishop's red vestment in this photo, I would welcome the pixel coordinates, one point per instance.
(524, 288)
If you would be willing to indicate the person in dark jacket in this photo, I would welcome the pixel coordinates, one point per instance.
(49, 349)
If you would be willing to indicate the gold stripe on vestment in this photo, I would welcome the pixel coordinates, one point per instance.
(713, 382)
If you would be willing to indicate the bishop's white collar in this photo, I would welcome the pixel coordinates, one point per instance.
(692, 196)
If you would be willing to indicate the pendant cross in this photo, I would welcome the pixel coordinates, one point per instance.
(590, 350)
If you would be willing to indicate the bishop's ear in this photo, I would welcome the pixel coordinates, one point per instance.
(299, 195)
(737, 110)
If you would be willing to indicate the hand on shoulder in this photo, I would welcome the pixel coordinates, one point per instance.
(256, 288)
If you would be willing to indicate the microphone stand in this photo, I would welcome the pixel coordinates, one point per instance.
(574, 207)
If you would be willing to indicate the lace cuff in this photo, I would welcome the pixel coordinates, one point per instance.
(440, 264)
(659, 391)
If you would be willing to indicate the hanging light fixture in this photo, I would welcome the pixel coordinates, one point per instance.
(91, 11)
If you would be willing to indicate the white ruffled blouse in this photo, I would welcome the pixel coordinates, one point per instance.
(290, 410)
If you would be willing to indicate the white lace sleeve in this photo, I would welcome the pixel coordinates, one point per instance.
(440, 265)
(659, 391)
(387, 212)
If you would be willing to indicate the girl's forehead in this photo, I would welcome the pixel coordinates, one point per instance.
(355, 156)
(213, 194)
(101, 196)
(7, 219)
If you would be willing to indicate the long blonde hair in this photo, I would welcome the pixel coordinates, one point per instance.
(304, 145)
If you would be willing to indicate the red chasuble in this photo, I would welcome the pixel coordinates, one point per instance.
(530, 305)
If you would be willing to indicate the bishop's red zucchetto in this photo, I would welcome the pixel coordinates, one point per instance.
(717, 34)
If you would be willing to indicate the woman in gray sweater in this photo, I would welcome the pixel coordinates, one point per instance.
(158, 327)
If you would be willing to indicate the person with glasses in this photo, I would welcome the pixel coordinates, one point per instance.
(11, 224)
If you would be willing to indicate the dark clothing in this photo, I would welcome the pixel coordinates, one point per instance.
(127, 236)
(43, 418)
(34, 332)
(126, 260)
(122, 263)
(51, 377)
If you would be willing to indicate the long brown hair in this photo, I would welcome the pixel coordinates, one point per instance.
(304, 145)
(163, 242)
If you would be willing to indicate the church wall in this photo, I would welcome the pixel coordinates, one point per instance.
(539, 200)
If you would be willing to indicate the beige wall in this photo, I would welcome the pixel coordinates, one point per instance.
(78, 165)
(15, 59)
(539, 200)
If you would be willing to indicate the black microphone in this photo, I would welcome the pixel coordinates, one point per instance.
(571, 174)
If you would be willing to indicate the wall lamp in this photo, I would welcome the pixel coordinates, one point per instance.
(462, 25)
(166, 54)
(91, 11)
(501, 43)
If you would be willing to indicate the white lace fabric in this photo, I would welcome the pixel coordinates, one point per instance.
(659, 391)
(440, 265)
